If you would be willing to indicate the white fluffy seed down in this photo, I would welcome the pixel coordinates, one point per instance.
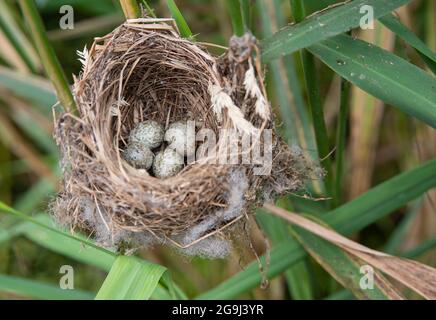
(177, 138)
(167, 163)
(138, 156)
(148, 133)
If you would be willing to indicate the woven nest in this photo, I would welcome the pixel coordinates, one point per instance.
(144, 70)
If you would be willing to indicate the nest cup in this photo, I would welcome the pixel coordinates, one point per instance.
(144, 70)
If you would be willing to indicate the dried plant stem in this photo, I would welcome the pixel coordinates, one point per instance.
(131, 9)
(414, 275)
(49, 60)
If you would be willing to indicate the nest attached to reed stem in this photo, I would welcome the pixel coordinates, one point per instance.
(144, 70)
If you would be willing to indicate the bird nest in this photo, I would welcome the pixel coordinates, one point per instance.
(144, 70)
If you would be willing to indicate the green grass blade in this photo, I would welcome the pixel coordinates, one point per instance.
(234, 8)
(395, 25)
(315, 6)
(286, 109)
(26, 202)
(283, 256)
(349, 218)
(306, 137)
(160, 293)
(246, 11)
(10, 231)
(307, 205)
(8, 210)
(76, 247)
(41, 137)
(300, 281)
(297, 276)
(317, 113)
(32, 88)
(72, 248)
(342, 267)
(35, 196)
(39, 290)
(274, 228)
(149, 9)
(130, 279)
(48, 58)
(173, 289)
(322, 26)
(341, 295)
(382, 199)
(382, 74)
(298, 11)
(316, 108)
(184, 29)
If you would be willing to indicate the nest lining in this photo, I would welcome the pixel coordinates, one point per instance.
(144, 70)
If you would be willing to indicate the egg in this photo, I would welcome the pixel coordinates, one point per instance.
(167, 163)
(138, 156)
(177, 138)
(148, 133)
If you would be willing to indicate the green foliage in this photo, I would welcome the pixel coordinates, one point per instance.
(33, 88)
(49, 60)
(236, 16)
(382, 74)
(38, 290)
(429, 57)
(322, 26)
(130, 279)
(184, 29)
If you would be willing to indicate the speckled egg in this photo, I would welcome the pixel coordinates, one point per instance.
(176, 136)
(148, 133)
(167, 163)
(138, 156)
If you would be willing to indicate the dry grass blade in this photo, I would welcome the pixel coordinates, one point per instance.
(412, 274)
(366, 116)
(345, 268)
(10, 55)
(131, 9)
